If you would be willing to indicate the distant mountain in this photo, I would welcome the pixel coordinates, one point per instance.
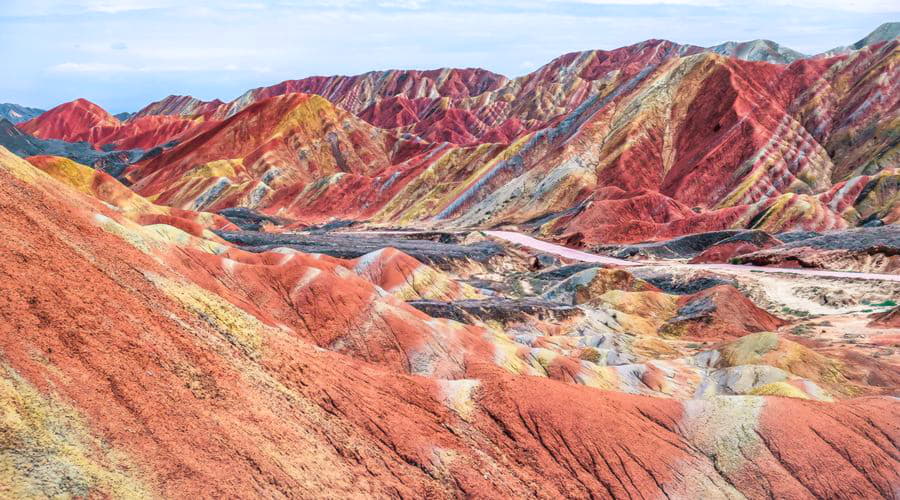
(758, 50)
(278, 144)
(123, 116)
(25, 145)
(19, 142)
(15, 113)
(639, 143)
(179, 105)
(71, 121)
(883, 33)
(82, 120)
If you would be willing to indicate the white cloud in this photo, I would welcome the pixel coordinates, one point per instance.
(402, 4)
(73, 67)
(246, 6)
(98, 68)
(117, 6)
(845, 5)
(701, 3)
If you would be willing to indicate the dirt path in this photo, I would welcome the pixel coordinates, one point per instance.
(569, 253)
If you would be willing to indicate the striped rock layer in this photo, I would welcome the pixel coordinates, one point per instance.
(640, 143)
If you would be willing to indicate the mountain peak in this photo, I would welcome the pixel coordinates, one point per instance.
(69, 121)
(883, 33)
(178, 105)
(758, 50)
(886, 31)
(82, 102)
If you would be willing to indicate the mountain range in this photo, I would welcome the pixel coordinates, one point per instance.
(649, 141)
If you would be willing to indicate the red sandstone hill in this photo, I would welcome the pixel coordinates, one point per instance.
(178, 105)
(278, 151)
(82, 120)
(218, 388)
(71, 121)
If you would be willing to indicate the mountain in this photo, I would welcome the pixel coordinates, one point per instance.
(645, 142)
(356, 93)
(884, 33)
(84, 121)
(179, 105)
(24, 145)
(266, 154)
(15, 113)
(456, 105)
(71, 121)
(641, 143)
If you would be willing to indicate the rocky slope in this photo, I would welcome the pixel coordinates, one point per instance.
(281, 152)
(281, 373)
(24, 145)
(883, 33)
(871, 249)
(758, 50)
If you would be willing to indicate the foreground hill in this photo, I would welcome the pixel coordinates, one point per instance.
(281, 373)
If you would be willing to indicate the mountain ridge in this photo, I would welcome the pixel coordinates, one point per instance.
(589, 120)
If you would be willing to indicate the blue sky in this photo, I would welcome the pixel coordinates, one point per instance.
(123, 54)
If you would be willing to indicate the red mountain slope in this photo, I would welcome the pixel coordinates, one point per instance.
(200, 395)
(72, 121)
(267, 154)
(82, 120)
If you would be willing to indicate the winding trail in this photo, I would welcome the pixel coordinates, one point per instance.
(569, 253)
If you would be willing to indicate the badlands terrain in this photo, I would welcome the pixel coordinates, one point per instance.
(658, 271)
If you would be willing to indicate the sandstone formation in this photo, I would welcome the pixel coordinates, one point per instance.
(219, 388)
(316, 289)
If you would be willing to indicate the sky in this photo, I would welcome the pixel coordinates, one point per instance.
(124, 54)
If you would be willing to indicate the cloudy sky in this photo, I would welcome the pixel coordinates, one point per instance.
(123, 54)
